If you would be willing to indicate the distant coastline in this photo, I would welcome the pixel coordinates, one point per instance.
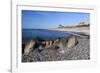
(81, 29)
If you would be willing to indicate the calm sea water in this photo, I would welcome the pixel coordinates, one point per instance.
(42, 34)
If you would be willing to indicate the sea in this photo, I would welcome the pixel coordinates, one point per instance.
(43, 34)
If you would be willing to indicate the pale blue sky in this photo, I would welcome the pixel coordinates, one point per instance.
(47, 20)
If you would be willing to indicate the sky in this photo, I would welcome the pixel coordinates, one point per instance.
(46, 20)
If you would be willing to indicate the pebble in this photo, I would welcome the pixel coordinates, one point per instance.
(80, 52)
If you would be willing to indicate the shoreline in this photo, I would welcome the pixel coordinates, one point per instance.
(85, 30)
(81, 51)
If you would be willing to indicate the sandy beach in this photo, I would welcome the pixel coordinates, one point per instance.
(85, 30)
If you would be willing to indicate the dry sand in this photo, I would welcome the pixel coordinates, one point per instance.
(85, 30)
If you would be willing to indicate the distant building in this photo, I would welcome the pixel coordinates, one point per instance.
(83, 24)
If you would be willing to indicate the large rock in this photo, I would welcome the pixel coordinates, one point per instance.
(63, 44)
(28, 47)
(72, 41)
(60, 45)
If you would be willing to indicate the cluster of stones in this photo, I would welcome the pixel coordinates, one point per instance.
(59, 43)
